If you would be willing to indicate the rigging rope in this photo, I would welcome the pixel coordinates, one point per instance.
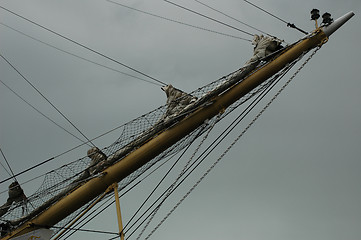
(46, 99)
(61, 154)
(23, 183)
(233, 143)
(83, 46)
(12, 173)
(214, 144)
(163, 178)
(175, 21)
(6, 171)
(225, 133)
(224, 14)
(139, 126)
(113, 201)
(37, 110)
(77, 56)
(170, 189)
(291, 25)
(130, 132)
(202, 15)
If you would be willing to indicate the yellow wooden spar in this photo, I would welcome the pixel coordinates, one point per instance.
(113, 174)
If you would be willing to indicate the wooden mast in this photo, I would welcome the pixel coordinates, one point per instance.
(115, 173)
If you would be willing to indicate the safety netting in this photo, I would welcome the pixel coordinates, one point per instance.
(59, 182)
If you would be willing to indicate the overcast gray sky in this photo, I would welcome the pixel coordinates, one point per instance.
(294, 175)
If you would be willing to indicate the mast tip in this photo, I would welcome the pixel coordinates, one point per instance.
(328, 30)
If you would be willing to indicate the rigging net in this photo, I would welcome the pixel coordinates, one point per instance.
(61, 181)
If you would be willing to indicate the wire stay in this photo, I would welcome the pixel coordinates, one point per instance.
(5, 170)
(291, 25)
(234, 141)
(202, 15)
(235, 19)
(176, 21)
(82, 45)
(46, 99)
(7, 163)
(37, 110)
(79, 57)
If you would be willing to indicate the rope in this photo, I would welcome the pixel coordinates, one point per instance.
(232, 144)
(46, 99)
(170, 189)
(214, 144)
(61, 154)
(77, 56)
(244, 113)
(202, 15)
(82, 45)
(6, 171)
(37, 110)
(113, 201)
(179, 22)
(220, 138)
(23, 183)
(224, 14)
(291, 25)
(163, 178)
(12, 173)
